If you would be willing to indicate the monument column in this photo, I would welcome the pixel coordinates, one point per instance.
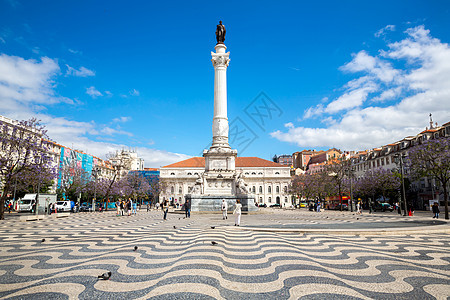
(220, 60)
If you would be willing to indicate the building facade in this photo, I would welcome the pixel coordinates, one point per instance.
(266, 180)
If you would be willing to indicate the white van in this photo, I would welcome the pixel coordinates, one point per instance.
(26, 204)
(64, 206)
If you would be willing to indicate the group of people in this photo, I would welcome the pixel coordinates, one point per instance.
(236, 212)
(224, 207)
(126, 207)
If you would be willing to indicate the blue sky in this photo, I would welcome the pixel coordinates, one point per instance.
(105, 75)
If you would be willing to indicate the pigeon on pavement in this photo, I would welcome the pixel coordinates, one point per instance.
(135, 248)
(214, 243)
(105, 276)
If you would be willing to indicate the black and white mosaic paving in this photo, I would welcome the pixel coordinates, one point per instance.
(181, 262)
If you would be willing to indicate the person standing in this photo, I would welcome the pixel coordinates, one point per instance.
(237, 212)
(165, 208)
(134, 207)
(117, 208)
(148, 206)
(129, 207)
(358, 208)
(224, 209)
(436, 211)
(187, 208)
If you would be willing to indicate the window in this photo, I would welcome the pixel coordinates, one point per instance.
(253, 189)
(277, 189)
(189, 173)
(277, 173)
(260, 173)
(172, 174)
(260, 189)
(180, 190)
(269, 189)
(270, 199)
(285, 189)
(172, 190)
(195, 173)
(260, 200)
(253, 173)
(285, 199)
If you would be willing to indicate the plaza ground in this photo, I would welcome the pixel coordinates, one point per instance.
(277, 254)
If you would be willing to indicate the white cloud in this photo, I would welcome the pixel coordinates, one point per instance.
(93, 92)
(82, 72)
(359, 118)
(313, 111)
(121, 119)
(112, 131)
(383, 30)
(23, 82)
(27, 88)
(134, 92)
(75, 51)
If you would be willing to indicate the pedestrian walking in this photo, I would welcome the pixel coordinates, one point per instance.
(134, 207)
(165, 208)
(237, 212)
(148, 206)
(318, 206)
(358, 208)
(117, 208)
(122, 207)
(129, 207)
(187, 208)
(436, 211)
(224, 209)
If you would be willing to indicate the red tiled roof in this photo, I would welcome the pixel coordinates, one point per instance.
(150, 169)
(199, 162)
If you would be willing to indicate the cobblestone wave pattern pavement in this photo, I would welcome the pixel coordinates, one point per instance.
(181, 262)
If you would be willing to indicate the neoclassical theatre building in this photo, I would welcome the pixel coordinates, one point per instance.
(267, 180)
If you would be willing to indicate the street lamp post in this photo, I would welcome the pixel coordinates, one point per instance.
(399, 159)
(37, 160)
(350, 173)
(94, 173)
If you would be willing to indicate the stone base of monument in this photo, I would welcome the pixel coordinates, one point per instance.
(205, 203)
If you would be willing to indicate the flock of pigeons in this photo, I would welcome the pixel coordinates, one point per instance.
(107, 275)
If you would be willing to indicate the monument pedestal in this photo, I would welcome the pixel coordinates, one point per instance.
(214, 203)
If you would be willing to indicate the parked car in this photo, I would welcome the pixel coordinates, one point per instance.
(383, 207)
(338, 207)
(85, 207)
(275, 205)
(303, 204)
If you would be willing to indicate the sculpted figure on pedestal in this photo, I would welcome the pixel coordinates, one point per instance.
(220, 33)
(241, 185)
(198, 187)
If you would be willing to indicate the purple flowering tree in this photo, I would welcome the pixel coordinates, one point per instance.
(432, 159)
(23, 150)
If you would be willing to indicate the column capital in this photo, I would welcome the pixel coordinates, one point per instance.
(220, 59)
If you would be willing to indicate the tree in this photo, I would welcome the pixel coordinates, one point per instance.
(23, 147)
(337, 169)
(300, 186)
(73, 181)
(432, 159)
(377, 182)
